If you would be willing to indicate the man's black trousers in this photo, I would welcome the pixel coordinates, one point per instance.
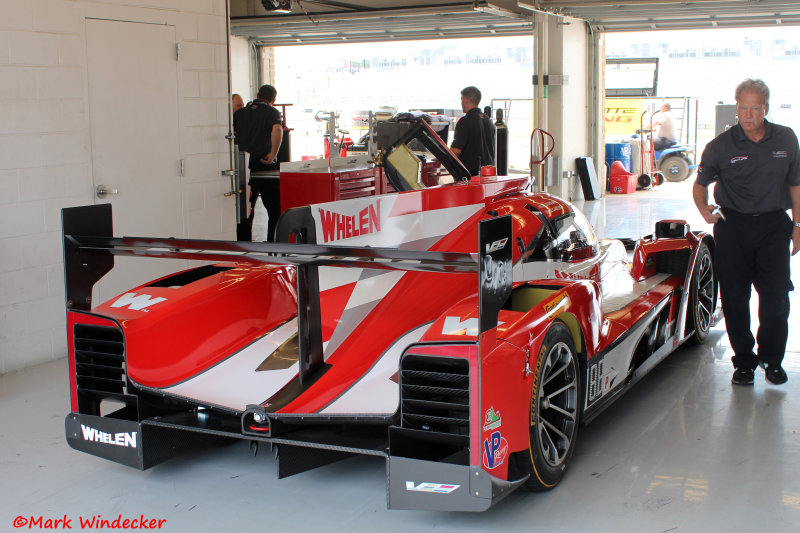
(753, 250)
(269, 190)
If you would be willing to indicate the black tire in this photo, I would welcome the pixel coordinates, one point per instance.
(554, 410)
(703, 297)
(644, 182)
(674, 168)
(658, 178)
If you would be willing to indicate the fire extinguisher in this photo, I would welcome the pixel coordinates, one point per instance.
(501, 142)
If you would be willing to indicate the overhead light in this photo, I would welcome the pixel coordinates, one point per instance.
(277, 6)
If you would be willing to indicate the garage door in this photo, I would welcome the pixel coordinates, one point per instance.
(465, 19)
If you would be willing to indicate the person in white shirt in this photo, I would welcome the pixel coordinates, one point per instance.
(664, 136)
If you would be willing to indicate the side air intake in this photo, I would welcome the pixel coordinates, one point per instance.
(100, 366)
(435, 394)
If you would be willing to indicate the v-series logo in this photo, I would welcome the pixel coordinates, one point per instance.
(127, 440)
(337, 226)
(496, 245)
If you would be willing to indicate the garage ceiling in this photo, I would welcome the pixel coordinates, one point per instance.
(325, 22)
(341, 21)
(641, 15)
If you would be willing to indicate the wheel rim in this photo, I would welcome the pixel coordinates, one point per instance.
(704, 303)
(557, 412)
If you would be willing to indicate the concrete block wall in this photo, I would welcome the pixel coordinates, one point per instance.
(45, 153)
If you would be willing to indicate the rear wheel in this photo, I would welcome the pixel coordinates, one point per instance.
(674, 168)
(554, 410)
(703, 294)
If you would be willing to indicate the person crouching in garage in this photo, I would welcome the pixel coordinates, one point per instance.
(473, 142)
(757, 173)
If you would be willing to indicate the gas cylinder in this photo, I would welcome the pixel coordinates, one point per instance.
(501, 157)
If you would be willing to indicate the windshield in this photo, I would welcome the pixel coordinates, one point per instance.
(408, 169)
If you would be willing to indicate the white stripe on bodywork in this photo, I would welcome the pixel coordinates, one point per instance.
(619, 290)
(611, 256)
(375, 392)
(617, 361)
(234, 383)
(368, 292)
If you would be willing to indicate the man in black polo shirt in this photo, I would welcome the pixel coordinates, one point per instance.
(757, 172)
(258, 128)
(473, 141)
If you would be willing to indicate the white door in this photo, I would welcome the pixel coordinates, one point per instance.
(134, 117)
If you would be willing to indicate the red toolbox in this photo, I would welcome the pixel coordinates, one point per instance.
(623, 183)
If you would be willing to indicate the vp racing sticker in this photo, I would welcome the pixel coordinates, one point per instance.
(495, 450)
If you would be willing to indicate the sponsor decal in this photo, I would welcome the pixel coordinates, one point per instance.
(555, 303)
(739, 159)
(338, 226)
(496, 274)
(137, 303)
(496, 245)
(453, 325)
(594, 273)
(127, 440)
(440, 488)
(780, 153)
(495, 450)
(566, 275)
(491, 419)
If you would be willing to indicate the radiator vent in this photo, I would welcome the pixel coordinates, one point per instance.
(435, 394)
(99, 365)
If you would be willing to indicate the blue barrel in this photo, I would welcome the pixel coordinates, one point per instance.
(619, 152)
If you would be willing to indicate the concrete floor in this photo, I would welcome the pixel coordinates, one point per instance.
(684, 450)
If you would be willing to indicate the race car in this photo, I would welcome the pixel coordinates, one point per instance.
(464, 328)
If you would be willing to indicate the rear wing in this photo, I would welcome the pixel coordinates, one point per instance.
(89, 250)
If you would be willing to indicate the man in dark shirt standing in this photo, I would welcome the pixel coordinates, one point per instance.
(258, 129)
(473, 141)
(756, 167)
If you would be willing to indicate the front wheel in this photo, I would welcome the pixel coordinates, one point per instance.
(703, 296)
(674, 168)
(554, 410)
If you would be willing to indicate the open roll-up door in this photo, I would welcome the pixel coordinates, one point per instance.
(349, 23)
(646, 15)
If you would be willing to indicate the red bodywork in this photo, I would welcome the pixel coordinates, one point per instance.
(222, 344)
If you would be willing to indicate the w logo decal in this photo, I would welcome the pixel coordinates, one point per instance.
(137, 303)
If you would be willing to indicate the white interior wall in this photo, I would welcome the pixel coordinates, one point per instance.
(45, 153)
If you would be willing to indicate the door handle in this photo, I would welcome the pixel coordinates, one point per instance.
(232, 192)
(101, 191)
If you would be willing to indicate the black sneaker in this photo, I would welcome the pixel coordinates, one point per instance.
(742, 376)
(775, 374)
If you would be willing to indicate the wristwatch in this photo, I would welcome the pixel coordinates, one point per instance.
(796, 224)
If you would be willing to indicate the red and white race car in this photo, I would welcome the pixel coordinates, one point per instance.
(464, 331)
